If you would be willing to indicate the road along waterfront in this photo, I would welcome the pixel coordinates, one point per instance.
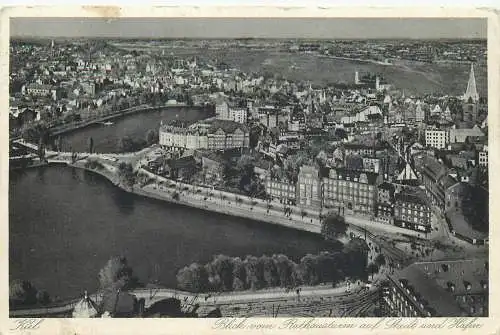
(86, 220)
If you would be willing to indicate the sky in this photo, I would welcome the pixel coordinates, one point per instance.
(334, 28)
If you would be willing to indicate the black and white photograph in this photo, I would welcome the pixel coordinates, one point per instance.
(217, 167)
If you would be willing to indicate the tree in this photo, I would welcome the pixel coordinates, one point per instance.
(220, 272)
(22, 293)
(41, 150)
(239, 275)
(379, 260)
(333, 226)
(254, 136)
(91, 145)
(356, 258)
(255, 275)
(126, 174)
(193, 278)
(128, 144)
(246, 165)
(307, 270)
(152, 137)
(270, 272)
(372, 269)
(285, 269)
(117, 274)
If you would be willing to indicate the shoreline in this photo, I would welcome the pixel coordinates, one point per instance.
(209, 207)
(126, 112)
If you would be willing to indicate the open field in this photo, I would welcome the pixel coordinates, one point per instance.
(415, 78)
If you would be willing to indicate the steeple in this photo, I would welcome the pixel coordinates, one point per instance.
(471, 92)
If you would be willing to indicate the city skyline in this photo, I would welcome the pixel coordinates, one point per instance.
(279, 28)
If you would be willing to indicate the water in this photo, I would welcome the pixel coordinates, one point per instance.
(136, 126)
(65, 223)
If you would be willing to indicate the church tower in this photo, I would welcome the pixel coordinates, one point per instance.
(471, 92)
(471, 99)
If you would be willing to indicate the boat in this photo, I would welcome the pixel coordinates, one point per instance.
(108, 123)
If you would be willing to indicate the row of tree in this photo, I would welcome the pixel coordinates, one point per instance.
(226, 273)
(131, 144)
(126, 174)
(23, 293)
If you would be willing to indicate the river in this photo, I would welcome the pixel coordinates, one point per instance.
(136, 126)
(65, 223)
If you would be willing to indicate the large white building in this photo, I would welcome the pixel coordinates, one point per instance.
(483, 157)
(213, 135)
(436, 138)
(225, 112)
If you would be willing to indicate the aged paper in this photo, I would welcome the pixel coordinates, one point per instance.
(174, 135)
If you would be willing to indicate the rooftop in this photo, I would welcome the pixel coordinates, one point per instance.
(437, 284)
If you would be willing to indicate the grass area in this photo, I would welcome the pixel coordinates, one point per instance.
(414, 78)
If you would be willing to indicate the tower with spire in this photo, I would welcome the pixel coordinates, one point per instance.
(471, 99)
(471, 92)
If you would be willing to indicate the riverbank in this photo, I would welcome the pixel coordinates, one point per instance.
(133, 110)
(222, 207)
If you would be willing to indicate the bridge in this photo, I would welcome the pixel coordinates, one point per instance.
(67, 157)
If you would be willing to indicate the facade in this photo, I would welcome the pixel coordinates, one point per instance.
(384, 210)
(438, 289)
(200, 136)
(384, 213)
(351, 191)
(420, 115)
(308, 187)
(412, 212)
(40, 90)
(89, 88)
(239, 115)
(268, 119)
(461, 135)
(225, 112)
(469, 111)
(371, 164)
(436, 180)
(222, 110)
(283, 191)
(483, 157)
(436, 138)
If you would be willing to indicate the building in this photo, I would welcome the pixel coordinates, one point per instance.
(223, 111)
(208, 134)
(267, 116)
(470, 99)
(483, 157)
(420, 114)
(282, 191)
(436, 138)
(309, 187)
(88, 88)
(438, 289)
(372, 164)
(385, 193)
(471, 92)
(436, 180)
(412, 212)
(461, 135)
(239, 115)
(384, 210)
(360, 149)
(41, 90)
(350, 191)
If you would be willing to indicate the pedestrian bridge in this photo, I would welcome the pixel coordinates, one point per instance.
(65, 156)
